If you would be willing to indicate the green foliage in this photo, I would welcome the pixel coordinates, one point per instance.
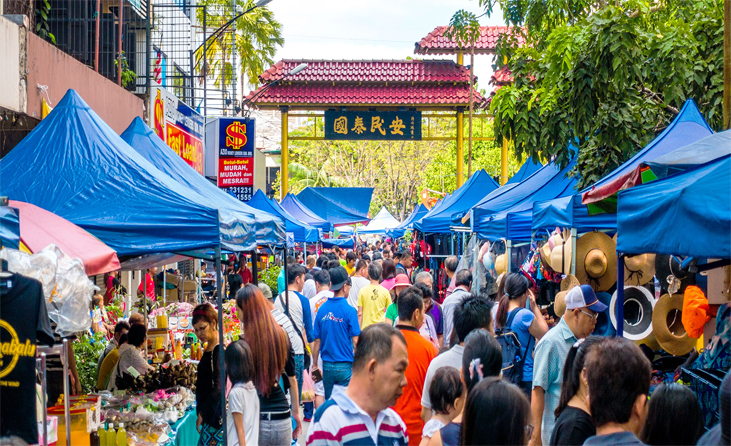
(87, 350)
(258, 35)
(605, 77)
(128, 76)
(269, 276)
(42, 27)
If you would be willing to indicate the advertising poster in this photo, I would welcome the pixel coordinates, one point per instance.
(179, 126)
(236, 157)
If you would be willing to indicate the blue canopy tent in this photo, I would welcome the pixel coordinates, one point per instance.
(9, 227)
(236, 217)
(439, 219)
(346, 243)
(382, 222)
(505, 197)
(687, 214)
(529, 167)
(299, 211)
(688, 127)
(338, 205)
(345, 230)
(74, 165)
(399, 231)
(700, 152)
(302, 232)
(518, 215)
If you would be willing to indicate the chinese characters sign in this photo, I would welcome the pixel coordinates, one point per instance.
(369, 125)
(179, 126)
(236, 157)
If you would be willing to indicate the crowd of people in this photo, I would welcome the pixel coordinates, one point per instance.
(391, 365)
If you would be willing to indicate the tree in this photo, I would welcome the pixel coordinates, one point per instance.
(257, 36)
(604, 77)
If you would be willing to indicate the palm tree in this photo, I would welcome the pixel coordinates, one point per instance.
(258, 34)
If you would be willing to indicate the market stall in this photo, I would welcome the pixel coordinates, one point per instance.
(338, 205)
(303, 233)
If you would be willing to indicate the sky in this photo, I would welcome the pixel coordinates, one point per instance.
(370, 29)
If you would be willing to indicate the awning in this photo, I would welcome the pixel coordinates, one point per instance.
(338, 205)
(299, 211)
(302, 231)
(382, 222)
(40, 228)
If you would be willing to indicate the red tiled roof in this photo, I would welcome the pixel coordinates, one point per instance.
(502, 76)
(367, 95)
(436, 43)
(368, 71)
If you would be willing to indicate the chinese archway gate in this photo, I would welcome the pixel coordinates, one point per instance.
(364, 100)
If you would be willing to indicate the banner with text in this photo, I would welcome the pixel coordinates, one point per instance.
(236, 156)
(179, 126)
(372, 125)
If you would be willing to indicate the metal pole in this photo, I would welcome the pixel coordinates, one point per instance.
(96, 36)
(573, 251)
(66, 408)
(148, 50)
(221, 360)
(44, 399)
(460, 147)
(284, 176)
(205, 63)
(144, 306)
(508, 253)
(726, 64)
(620, 295)
(119, 43)
(200, 282)
(233, 61)
(164, 286)
(286, 282)
(254, 268)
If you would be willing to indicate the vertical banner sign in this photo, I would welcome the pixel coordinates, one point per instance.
(236, 157)
(370, 125)
(179, 126)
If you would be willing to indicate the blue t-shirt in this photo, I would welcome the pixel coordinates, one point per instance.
(306, 316)
(521, 324)
(335, 325)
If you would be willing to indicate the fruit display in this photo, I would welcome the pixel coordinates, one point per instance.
(163, 377)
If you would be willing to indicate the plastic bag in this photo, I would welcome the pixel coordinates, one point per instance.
(308, 387)
(66, 286)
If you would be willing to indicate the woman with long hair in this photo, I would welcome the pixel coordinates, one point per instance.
(573, 417)
(388, 274)
(497, 413)
(273, 356)
(208, 385)
(527, 323)
(673, 417)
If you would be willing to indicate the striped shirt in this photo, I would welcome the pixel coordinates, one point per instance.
(341, 422)
(297, 343)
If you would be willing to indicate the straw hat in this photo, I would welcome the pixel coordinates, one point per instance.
(638, 270)
(596, 260)
(559, 253)
(559, 305)
(500, 264)
(548, 247)
(668, 326)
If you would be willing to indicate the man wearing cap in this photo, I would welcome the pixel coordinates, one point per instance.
(336, 331)
(579, 320)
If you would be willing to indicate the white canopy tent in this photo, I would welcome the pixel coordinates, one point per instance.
(380, 223)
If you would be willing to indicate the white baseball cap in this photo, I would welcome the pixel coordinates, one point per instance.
(583, 297)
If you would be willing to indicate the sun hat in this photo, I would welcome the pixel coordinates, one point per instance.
(583, 297)
(638, 270)
(401, 280)
(638, 307)
(561, 253)
(500, 264)
(338, 278)
(667, 324)
(596, 260)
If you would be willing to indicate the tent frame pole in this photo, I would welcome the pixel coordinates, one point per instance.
(620, 295)
(254, 268)
(573, 251)
(508, 254)
(221, 359)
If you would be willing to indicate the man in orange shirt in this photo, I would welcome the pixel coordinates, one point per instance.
(421, 352)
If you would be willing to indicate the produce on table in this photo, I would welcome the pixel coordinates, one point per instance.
(165, 376)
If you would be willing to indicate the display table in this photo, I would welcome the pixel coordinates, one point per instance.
(184, 430)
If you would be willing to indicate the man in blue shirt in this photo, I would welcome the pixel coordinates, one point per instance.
(336, 331)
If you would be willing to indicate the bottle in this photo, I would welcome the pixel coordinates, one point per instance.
(178, 350)
(121, 435)
(94, 439)
(102, 435)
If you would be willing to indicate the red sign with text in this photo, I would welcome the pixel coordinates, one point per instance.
(186, 146)
(235, 172)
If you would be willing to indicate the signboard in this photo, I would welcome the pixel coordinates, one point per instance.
(179, 126)
(236, 156)
(370, 125)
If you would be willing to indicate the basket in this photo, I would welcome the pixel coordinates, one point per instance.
(705, 383)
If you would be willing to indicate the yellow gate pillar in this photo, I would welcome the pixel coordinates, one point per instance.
(460, 148)
(284, 173)
(504, 162)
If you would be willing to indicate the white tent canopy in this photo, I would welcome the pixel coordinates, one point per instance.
(380, 223)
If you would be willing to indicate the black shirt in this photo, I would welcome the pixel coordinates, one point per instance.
(276, 401)
(572, 427)
(208, 388)
(23, 321)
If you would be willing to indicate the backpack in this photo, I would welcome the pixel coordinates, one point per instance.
(512, 359)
